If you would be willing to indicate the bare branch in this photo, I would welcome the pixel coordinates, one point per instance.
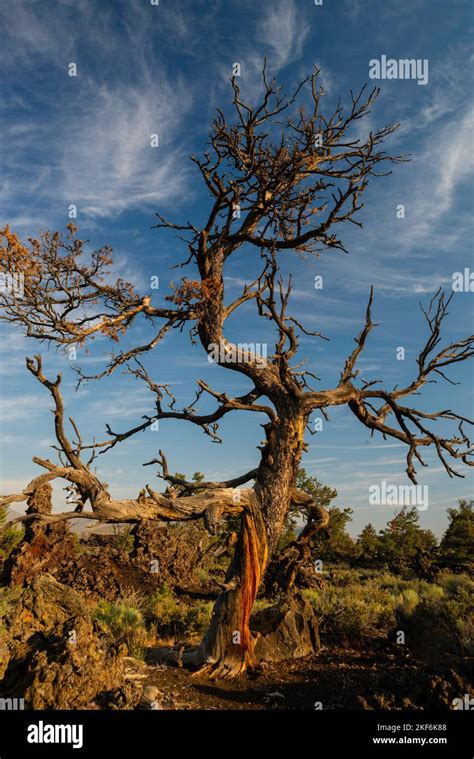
(202, 485)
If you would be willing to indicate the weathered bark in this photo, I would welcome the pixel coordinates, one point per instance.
(228, 647)
(277, 473)
(292, 567)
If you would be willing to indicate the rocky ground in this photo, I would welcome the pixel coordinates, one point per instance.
(335, 679)
(57, 658)
(54, 654)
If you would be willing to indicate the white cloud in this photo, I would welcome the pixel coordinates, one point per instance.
(284, 29)
(455, 159)
(23, 407)
(88, 143)
(34, 34)
(106, 162)
(281, 33)
(437, 171)
(10, 439)
(126, 403)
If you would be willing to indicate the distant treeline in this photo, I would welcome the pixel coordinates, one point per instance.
(402, 546)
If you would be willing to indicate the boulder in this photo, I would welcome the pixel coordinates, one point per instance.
(288, 630)
(58, 658)
(44, 545)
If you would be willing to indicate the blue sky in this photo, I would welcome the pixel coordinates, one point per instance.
(85, 140)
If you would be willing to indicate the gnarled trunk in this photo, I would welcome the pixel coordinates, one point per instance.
(228, 646)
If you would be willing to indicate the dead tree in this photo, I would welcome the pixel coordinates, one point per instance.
(281, 180)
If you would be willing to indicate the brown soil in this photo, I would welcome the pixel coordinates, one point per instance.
(337, 678)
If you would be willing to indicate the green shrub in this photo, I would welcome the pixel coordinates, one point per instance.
(358, 604)
(198, 617)
(10, 538)
(409, 600)
(456, 586)
(124, 623)
(354, 612)
(173, 617)
(122, 540)
(450, 606)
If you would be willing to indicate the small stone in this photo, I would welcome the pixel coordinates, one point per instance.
(149, 698)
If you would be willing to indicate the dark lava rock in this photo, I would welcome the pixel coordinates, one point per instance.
(58, 659)
(288, 630)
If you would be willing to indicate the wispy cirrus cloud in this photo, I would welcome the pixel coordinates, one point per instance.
(281, 32)
(106, 162)
(438, 171)
(100, 156)
(283, 29)
(88, 142)
(17, 408)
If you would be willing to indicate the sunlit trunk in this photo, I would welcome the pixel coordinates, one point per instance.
(227, 648)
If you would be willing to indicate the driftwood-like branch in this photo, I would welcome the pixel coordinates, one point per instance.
(48, 518)
(203, 484)
(409, 423)
(210, 505)
(213, 500)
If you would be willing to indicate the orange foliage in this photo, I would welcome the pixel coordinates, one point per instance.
(194, 290)
(113, 331)
(14, 256)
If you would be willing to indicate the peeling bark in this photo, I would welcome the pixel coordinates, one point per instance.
(228, 647)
